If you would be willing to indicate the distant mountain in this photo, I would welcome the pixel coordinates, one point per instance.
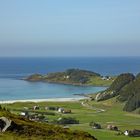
(126, 88)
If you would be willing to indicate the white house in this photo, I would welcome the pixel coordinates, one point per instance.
(23, 114)
(126, 133)
(60, 110)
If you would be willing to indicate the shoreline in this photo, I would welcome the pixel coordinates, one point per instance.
(64, 83)
(42, 100)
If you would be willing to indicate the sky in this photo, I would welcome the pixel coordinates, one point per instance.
(69, 28)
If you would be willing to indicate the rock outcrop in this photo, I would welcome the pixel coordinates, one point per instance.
(5, 123)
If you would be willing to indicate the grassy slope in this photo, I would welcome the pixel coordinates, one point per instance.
(112, 115)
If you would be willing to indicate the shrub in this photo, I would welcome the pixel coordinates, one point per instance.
(69, 120)
(95, 125)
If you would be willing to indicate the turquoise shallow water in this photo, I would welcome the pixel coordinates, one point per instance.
(13, 89)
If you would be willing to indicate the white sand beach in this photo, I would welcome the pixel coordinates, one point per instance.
(43, 100)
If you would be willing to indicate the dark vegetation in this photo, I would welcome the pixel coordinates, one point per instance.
(68, 120)
(134, 133)
(95, 125)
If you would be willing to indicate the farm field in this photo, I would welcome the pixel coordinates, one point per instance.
(105, 113)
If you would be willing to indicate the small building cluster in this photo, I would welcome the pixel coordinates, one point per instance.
(33, 114)
(106, 78)
(59, 109)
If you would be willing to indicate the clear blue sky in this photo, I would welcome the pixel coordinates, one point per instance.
(70, 28)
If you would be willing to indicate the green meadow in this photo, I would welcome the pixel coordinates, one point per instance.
(105, 113)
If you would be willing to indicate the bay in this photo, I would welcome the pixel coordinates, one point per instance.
(13, 69)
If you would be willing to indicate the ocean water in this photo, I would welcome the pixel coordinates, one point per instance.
(13, 69)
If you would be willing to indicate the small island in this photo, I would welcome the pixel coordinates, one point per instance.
(74, 77)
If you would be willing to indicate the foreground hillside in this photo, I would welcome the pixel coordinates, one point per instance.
(126, 88)
(21, 128)
(74, 77)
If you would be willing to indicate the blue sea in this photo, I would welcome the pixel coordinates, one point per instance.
(13, 69)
